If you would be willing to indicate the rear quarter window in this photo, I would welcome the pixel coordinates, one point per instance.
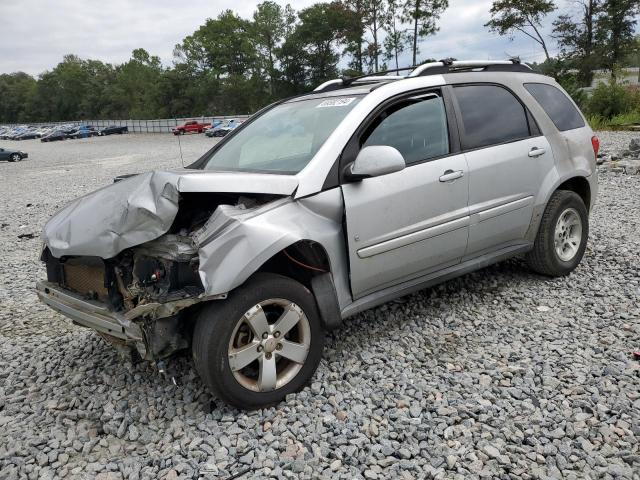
(557, 105)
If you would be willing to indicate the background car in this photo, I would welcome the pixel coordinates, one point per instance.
(55, 135)
(214, 124)
(12, 155)
(221, 132)
(82, 132)
(192, 126)
(113, 129)
(27, 135)
(222, 128)
(11, 133)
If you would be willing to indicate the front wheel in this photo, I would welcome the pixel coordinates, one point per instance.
(261, 343)
(562, 236)
(15, 157)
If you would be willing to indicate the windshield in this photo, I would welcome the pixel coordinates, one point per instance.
(283, 139)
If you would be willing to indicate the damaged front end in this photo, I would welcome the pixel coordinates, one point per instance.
(125, 260)
(133, 299)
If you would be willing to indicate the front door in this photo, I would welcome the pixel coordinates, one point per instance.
(409, 223)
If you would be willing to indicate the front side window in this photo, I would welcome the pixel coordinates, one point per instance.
(490, 115)
(416, 127)
(284, 139)
(557, 105)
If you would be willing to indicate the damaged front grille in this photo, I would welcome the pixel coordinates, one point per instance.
(86, 276)
(161, 271)
(82, 275)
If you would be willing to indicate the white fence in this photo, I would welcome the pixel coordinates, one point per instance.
(162, 125)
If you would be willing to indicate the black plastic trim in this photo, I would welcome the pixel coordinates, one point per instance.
(326, 297)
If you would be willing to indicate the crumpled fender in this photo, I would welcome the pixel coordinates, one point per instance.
(142, 208)
(236, 242)
(105, 222)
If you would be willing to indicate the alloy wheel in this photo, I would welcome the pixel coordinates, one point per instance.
(269, 345)
(568, 234)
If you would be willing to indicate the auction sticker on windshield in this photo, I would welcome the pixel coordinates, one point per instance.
(336, 102)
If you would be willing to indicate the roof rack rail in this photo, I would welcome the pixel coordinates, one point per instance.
(367, 78)
(452, 66)
(447, 65)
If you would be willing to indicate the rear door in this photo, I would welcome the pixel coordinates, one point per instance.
(409, 223)
(507, 157)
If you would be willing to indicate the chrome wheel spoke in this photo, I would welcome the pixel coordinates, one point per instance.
(568, 234)
(260, 357)
(239, 359)
(296, 352)
(288, 320)
(268, 374)
(257, 320)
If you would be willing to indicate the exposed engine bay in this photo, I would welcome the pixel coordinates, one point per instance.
(151, 283)
(135, 259)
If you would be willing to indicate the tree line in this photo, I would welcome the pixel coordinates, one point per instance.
(233, 65)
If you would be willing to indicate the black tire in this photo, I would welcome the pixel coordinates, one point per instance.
(544, 258)
(15, 157)
(216, 322)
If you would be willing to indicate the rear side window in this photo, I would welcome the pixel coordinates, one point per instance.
(490, 115)
(416, 127)
(557, 105)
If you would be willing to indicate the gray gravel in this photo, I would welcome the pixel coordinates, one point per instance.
(498, 374)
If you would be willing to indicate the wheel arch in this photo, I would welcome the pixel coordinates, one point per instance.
(579, 185)
(579, 182)
(308, 262)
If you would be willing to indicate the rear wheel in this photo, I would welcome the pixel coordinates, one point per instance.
(262, 343)
(562, 236)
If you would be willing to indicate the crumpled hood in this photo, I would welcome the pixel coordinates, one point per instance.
(142, 208)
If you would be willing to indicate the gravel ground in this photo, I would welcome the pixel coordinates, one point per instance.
(498, 374)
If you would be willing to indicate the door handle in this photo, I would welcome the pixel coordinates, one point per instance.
(450, 175)
(536, 152)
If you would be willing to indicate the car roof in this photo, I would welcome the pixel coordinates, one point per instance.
(350, 91)
(449, 70)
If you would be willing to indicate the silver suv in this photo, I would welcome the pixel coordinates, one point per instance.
(319, 207)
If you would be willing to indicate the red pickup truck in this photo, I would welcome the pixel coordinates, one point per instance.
(191, 126)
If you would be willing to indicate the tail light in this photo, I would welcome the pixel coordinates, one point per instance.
(595, 143)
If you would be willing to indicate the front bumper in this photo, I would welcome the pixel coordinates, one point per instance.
(88, 313)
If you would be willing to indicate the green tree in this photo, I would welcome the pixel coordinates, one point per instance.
(322, 28)
(291, 58)
(223, 45)
(576, 37)
(354, 40)
(16, 90)
(396, 39)
(61, 92)
(134, 92)
(374, 17)
(423, 16)
(269, 27)
(524, 16)
(615, 31)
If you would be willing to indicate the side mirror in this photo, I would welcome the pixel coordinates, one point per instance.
(374, 161)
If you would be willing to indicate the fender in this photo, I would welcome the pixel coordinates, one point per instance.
(235, 242)
(549, 185)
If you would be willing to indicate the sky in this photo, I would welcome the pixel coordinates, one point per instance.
(37, 33)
